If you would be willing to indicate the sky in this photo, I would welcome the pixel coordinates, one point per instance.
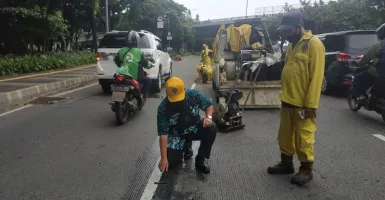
(216, 9)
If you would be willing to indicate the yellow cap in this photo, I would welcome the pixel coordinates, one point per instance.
(175, 89)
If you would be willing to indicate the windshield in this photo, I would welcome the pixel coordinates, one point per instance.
(120, 41)
(360, 43)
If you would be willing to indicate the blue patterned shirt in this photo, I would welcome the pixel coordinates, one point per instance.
(196, 101)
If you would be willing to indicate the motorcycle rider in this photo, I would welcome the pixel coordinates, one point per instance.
(131, 61)
(375, 57)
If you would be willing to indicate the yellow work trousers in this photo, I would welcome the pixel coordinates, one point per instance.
(207, 70)
(296, 135)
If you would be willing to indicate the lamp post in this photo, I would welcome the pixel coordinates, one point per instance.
(247, 6)
(107, 16)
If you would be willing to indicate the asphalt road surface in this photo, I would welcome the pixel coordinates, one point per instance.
(71, 148)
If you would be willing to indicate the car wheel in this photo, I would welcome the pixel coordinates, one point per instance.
(157, 83)
(106, 88)
(325, 88)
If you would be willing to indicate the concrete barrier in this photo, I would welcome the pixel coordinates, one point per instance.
(22, 96)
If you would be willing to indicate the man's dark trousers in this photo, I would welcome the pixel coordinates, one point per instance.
(206, 135)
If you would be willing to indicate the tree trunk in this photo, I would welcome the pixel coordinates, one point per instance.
(94, 35)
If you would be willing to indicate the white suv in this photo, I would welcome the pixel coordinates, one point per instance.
(151, 46)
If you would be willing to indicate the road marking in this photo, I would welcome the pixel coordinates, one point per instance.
(150, 189)
(55, 72)
(14, 110)
(74, 90)
(379, 136)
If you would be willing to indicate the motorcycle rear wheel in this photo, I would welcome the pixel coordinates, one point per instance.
(121, 113)
(352, 102)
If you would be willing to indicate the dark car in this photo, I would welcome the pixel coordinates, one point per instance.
(342, 48)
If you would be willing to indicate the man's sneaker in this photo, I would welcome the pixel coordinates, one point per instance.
(188, 152)
(201, 165)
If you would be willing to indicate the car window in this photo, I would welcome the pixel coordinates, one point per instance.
(114, 41)
(159, 45)
(334, 43)
(144, 42)
(358, 44)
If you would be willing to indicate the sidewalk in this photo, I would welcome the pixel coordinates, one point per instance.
(20, 90)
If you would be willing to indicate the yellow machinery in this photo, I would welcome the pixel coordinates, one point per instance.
(232, 50)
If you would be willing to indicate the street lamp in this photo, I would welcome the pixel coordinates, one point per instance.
(247, 6)
(107, 17)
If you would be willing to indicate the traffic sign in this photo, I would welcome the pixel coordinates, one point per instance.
(160, 19)
(169, 37)
(160, 24)
(169, 34)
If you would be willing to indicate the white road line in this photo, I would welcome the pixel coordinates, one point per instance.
(14, 110)
(74, 90)
(379, 136)
(150, 189)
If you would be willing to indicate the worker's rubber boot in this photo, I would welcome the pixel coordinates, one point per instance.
(284, 167)
(304, 174)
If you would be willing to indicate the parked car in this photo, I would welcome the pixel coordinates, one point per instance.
(151, 46)
(342, 48)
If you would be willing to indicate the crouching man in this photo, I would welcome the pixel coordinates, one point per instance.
(179, 123)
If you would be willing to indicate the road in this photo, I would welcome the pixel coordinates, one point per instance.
(72, 149)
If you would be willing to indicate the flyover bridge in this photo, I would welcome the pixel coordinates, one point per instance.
(208, 28)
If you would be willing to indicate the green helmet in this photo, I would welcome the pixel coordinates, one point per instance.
(381, 32)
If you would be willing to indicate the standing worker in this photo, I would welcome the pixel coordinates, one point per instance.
(204, 68)
(300, 94)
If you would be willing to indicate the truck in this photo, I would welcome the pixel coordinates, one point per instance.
(232, 53)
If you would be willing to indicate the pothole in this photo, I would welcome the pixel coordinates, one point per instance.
(47, 100)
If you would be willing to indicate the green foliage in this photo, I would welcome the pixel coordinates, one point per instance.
(335, 16)
(11, 65)
(33, 26)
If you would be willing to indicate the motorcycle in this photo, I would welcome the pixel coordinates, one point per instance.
(126, 97)
(373, 100)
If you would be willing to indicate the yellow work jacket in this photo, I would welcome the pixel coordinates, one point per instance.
(303, 72)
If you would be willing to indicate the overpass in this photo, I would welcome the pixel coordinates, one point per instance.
(208, 28)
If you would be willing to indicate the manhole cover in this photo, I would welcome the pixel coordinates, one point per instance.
(47, 100)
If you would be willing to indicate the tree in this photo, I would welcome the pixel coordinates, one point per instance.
(197, 18)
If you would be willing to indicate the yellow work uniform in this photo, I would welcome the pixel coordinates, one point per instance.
(301, 87)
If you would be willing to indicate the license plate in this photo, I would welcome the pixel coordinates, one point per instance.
(118, 96)
(120, 88)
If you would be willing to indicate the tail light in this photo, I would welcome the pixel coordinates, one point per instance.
(135, 83)
(120, 77)
(148, 55)
(347, 82)
(343, 57)
(101, 56)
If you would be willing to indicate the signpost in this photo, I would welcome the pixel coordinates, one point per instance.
(160, 22)
(169, 38)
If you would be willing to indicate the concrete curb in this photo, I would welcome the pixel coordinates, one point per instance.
(20, 97)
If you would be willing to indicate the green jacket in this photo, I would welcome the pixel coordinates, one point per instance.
(130, 61)
(373, 54)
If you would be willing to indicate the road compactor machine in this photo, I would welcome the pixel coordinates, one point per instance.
(246, 66)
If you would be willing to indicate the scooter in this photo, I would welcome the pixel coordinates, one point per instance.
(372, 100)
(126, 97)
